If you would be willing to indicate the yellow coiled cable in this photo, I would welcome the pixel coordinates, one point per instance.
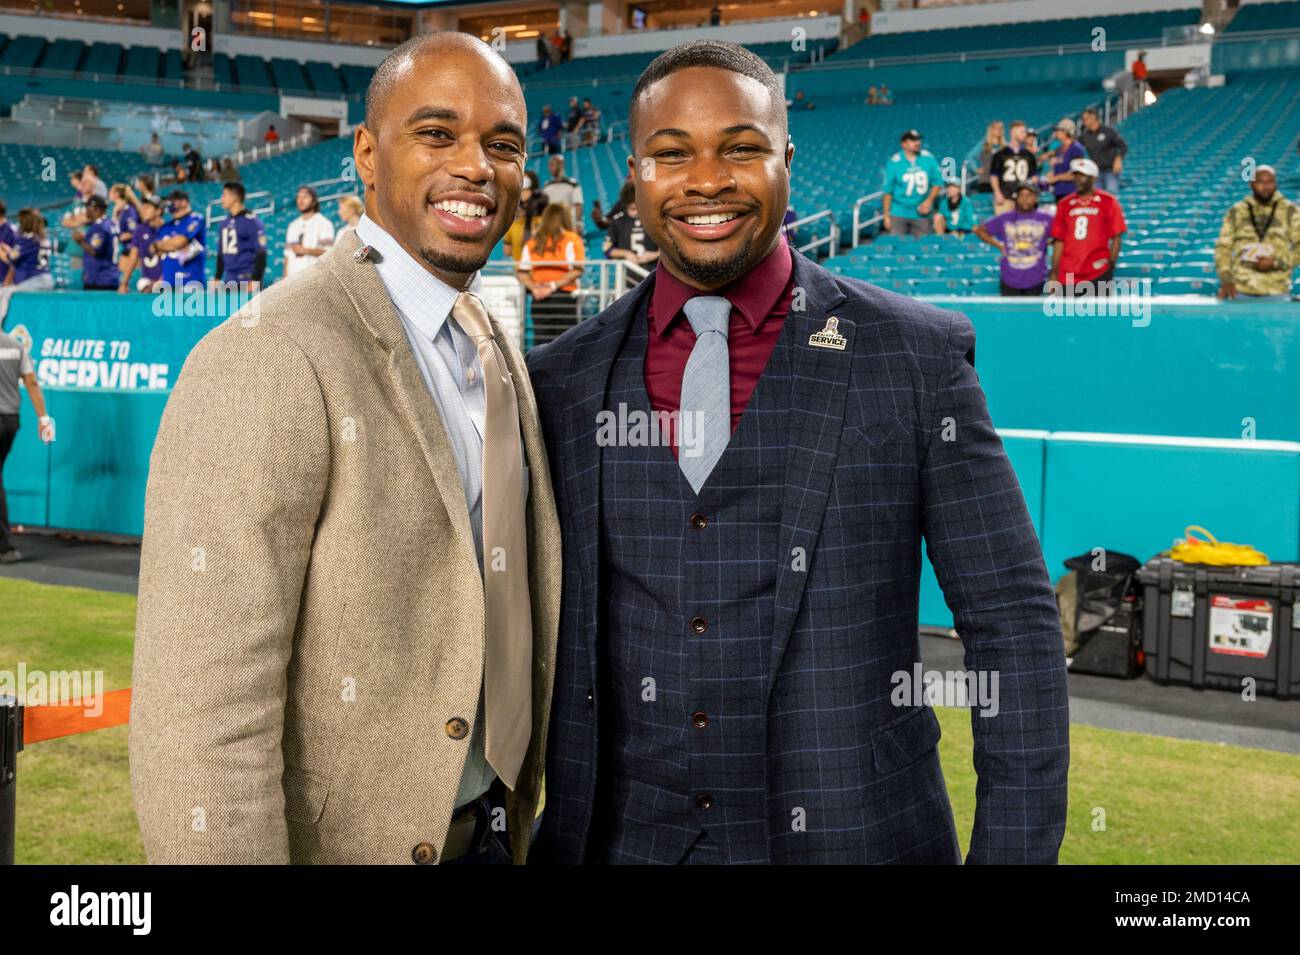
(1193, 550)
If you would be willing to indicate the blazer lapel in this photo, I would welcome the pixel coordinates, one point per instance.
(366, 291)
(591, 362)
(819, 384)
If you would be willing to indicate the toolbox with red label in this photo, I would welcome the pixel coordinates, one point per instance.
(1207, 626)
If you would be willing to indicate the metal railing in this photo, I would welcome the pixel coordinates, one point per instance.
(325, 190)
(265, 151)
(858, 223)
(602, 282)
(833, 239)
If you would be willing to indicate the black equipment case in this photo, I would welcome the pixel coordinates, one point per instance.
(1208, 626)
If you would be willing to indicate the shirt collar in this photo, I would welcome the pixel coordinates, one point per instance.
(754, 294)
(423, 298)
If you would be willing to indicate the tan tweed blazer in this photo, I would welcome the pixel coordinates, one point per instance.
(311, 609)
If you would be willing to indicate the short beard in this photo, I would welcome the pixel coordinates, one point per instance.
(716, 274)
(452, 264)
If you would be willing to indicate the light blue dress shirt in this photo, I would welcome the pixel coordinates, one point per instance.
(449, 364)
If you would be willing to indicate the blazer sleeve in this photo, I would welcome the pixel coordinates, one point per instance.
(236, 482)
(988, 561)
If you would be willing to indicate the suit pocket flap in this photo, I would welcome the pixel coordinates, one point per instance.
(905, 740)
(304, 794)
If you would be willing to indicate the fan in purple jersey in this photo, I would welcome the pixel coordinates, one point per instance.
(241, 252)
(139, 254)
(125, 215)
(29, 256)
(8, 237)
(99, 247)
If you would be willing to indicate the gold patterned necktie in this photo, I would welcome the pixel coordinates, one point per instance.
(507, 680)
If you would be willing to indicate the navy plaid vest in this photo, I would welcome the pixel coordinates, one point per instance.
(686, 632)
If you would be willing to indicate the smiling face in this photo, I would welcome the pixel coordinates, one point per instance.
(721, 173)
(444, 166)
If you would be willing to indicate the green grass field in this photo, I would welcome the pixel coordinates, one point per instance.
(1133, 798)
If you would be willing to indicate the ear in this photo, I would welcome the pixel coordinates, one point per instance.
(363, 154)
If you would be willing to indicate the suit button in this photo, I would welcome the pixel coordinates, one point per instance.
(700, 720)
(704, 800)
(423, 853)
(457, 728)
(699, 624)
(699, 521)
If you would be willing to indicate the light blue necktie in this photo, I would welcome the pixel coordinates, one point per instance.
(705, 418)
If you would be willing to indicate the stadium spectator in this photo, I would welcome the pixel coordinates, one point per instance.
(574, 122)
(994, 140)
(627, 237)
(873, 96)
(153, 150)
(94, 185)
(557, 47)
(29, 256)
(8, 237)
(15, 368)
(955, 212)
(1088, 230)
(562, 190)
(125, 214)
(715, 15)
(543, 54)
(180, 173)
(531, 202)
(98, 243)
(800, 102)
(308, 236)
(1012, 165)
(271, 135)
(241, 246)
(912, 178)
(1259, 244)
(1140, 67)
(884, 97)
(181, 242)
(566, 47)
(144, 185)
(193, 163)
(551, 128)
(599, 218)
(1105, 147)
(590, 122)
(549, 269)
(1021, 235)
(228, 171)
(1066, 151)
(351, 209)
(83, 188)
(141, 255)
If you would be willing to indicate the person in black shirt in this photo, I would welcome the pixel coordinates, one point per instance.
(1011, 165)
(627, 238)
(1106, 148)
(193, 164)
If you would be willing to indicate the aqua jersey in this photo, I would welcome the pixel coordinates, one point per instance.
(909, 182)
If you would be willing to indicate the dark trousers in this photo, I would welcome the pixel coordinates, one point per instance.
(1012, 291)
(553, 316)
(8, 431)
(490, 847)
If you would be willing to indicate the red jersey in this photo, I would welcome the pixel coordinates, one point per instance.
(1084, 227)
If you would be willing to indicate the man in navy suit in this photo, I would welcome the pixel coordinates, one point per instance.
(739, 622)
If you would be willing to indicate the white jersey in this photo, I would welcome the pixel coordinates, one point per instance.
(314, 232)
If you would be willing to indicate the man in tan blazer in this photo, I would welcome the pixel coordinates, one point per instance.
(342, 653)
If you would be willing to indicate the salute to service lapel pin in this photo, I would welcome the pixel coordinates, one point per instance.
(829, 337)
(364, 253)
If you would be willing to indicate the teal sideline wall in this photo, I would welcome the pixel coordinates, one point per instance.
(1194, 371)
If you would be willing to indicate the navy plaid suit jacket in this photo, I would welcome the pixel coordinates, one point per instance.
(889, 442)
